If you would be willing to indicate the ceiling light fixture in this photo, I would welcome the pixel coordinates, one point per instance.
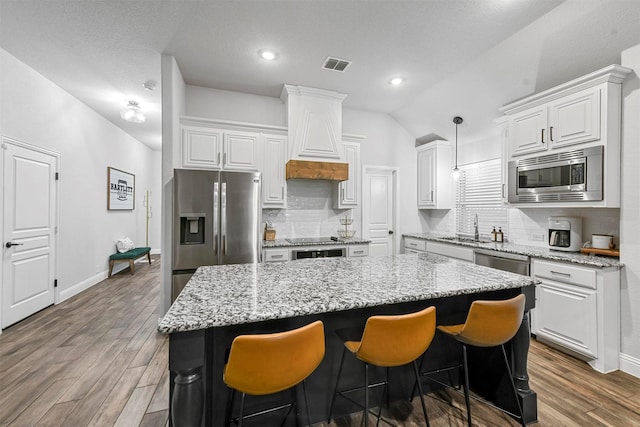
(149, 85)
(396, 81)
(131, 112)
(267, 55)
(456, 172)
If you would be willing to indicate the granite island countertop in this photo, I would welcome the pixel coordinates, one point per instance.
(225, 295)
(532, 251)
(283, 243)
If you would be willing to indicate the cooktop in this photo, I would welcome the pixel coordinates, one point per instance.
(312, 240)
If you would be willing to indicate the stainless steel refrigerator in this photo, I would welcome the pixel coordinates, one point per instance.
(216, 220)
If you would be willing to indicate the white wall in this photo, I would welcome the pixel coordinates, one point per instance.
(173, 106)
(629, 217)
(36, 111)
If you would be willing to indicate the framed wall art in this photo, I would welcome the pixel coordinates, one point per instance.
(121, 190)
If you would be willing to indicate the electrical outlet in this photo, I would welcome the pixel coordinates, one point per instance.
(537, 237)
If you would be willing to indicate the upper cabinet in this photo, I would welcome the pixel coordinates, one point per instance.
(435, 185)
(349, 190)
(274, 159)
(583, 111)
(204, 147)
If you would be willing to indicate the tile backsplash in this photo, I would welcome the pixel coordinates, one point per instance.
(530, 226)
(310, 211)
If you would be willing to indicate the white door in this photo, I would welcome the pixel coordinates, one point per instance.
(378, 210)
(29, 210)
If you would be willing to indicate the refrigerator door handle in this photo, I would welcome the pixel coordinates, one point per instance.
(216, 212)
(223, 217)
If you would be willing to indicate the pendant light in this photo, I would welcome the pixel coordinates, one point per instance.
(456, 172)
(131, 112)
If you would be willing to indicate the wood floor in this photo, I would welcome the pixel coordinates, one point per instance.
(96, 359)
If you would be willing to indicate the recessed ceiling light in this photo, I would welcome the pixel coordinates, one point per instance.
(396, 81)
(267, 55)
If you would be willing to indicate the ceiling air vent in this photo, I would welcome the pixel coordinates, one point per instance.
(335, 64)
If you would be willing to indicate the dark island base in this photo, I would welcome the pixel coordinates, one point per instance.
(196, 360)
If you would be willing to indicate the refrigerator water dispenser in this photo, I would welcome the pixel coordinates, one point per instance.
(192, 229)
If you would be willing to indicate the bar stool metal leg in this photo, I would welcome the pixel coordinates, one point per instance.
(366, 394)
(306, 401)
(424, 407)
(335, 390)
(465, 368)
(241, 409)
(227, 416)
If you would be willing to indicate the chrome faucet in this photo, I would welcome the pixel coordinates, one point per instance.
(476, 234)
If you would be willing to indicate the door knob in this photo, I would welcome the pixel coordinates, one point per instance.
(9, 244)
(390, 231)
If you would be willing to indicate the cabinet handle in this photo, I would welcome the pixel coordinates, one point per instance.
(358, 252)
(276, 256)
(224, 159)
(558, 273)
(503, 190)
(413, 244)
(218, 159)
(551, 134)
(283, 192)
(542, 136)
(431, 196)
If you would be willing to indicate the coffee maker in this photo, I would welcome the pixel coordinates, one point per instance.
(565, 233)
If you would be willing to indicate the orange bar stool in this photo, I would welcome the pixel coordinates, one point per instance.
(488, 324)
(270, 363)
(388, 341)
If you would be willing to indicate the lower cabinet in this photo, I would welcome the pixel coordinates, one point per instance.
(577, 309)
(413, 245)
(275, 255)
(452, 251)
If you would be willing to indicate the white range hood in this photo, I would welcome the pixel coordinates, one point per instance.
(314, 120)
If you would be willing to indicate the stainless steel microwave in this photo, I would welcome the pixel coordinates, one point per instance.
(569, 176)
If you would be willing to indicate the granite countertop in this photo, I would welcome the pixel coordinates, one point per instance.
(532, 251)
(282, 243)
(235, 294)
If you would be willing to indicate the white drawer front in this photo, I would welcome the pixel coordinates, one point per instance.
(452, 251)
(415, 244)
(357, 250)
(579, 276)
(275, 255)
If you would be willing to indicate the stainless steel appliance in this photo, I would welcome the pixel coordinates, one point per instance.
(562, 176)
(216, 220)
(505, 261)
(565, 233)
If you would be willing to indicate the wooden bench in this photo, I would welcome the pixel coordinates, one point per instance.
(130, 256)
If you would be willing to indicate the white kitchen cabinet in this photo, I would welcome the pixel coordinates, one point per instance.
(526, 131)
(357, 250)
(205, 147)
(450, 250)
(577, 310)
(349, 190)
(413, 245)
(435, 184)
(585, 110)
(274, 159)
(275, 254)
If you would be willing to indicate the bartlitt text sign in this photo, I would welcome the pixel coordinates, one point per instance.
(121, 189)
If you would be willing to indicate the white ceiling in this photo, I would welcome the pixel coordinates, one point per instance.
(102, 51)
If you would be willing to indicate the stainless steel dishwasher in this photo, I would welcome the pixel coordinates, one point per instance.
(505, 261)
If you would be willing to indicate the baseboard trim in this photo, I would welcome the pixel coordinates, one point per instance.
(67, 293)
(155, 251)
(630, 365)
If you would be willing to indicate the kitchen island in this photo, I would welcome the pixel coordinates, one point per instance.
(221, 302)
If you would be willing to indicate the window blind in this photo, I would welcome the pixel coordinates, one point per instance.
(479, 192)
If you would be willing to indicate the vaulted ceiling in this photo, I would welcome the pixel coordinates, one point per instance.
(465, 57)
